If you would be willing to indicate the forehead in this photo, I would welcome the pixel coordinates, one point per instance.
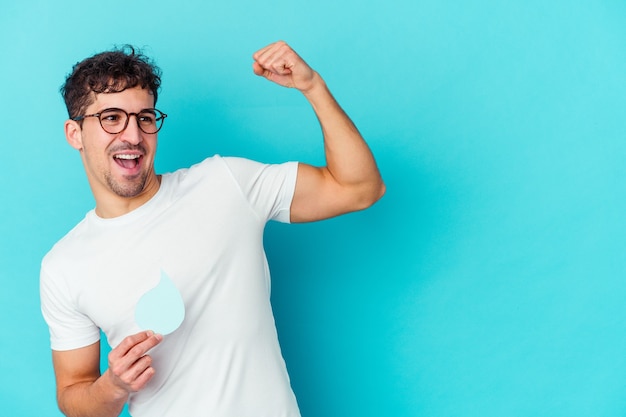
(131, 99)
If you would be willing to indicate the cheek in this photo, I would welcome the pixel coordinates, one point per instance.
(94, 154)
(151, 146)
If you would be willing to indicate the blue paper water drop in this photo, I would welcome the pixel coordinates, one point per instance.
(161, 309)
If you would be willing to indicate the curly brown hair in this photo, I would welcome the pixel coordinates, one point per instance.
(109, 72)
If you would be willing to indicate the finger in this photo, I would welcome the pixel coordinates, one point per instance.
(263, 52)
(130, 341)
(142, 379)
(278, 58)
(258, 69)
(258, 54)
(132, 348)
(281, 62)
(138, 368)
(268, 74)
(136, 377)
(143, 347)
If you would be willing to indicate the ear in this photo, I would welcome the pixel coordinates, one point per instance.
(74, 134)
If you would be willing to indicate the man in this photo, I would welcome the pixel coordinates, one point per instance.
(203, 226)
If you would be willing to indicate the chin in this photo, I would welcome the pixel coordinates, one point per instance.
(128, 189)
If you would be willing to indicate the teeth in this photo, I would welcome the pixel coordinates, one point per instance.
(127, 156)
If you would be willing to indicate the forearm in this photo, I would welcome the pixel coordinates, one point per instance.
(92, 399)
(348, 157)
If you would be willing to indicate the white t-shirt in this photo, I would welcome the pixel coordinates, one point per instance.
(204, 229)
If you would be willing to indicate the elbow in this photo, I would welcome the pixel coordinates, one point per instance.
(380, 192)
(373, 193)
(61, 403)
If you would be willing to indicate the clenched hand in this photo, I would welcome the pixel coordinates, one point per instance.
(279, 63)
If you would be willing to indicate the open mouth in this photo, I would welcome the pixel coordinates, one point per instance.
(127, 161)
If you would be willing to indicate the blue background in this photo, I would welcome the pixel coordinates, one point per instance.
(489, 281)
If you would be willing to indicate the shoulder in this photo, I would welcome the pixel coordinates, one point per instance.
(65, 246)
(213, 164)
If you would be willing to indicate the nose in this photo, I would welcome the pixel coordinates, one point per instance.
(132, 134)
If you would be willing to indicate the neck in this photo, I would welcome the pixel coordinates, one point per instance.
(112, 205)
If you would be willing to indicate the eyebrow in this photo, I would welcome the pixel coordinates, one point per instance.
(147, 110)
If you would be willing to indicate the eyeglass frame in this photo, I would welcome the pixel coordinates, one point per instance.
(161, 118)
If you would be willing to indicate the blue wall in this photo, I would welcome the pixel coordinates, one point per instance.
(490, 279)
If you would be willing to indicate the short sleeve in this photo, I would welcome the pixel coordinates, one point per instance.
(69, 329)
(269, 188)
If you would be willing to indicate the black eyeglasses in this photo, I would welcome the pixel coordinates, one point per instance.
(115, 121)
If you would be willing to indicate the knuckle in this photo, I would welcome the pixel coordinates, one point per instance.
(126, 379)
(116, 369)
(136, 350)
(129, 340)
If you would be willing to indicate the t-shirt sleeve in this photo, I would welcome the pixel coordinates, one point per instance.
(69, 329)
(269, 188)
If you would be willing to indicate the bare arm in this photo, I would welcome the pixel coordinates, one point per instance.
(350, 180)
(82, 391)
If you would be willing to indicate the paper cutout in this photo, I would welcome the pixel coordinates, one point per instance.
(161, 309)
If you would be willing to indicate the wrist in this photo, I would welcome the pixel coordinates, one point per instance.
(316, 86)
(115, 392)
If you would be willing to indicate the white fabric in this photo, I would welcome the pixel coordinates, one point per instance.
(204, 228)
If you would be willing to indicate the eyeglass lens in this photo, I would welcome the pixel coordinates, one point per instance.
(116, 120)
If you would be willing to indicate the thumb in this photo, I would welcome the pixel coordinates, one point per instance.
(258, 69)
(269, 75)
